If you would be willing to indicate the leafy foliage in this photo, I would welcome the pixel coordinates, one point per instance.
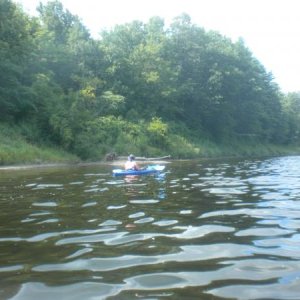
(15, 49)
(140, 88)
(158, 132)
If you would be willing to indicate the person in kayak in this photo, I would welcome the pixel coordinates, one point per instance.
(131, 163)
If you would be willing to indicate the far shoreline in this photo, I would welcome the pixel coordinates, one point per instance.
(73, 164)
(121, 161)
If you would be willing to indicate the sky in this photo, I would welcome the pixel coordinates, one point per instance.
(269, 28)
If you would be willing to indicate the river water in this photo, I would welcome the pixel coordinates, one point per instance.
(207, 229)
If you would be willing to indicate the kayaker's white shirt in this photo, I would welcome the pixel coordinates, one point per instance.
(131, 165)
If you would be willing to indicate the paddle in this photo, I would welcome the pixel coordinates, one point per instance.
(155, 167)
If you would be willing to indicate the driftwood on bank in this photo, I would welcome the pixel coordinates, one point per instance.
(113, 156)
(148, 158)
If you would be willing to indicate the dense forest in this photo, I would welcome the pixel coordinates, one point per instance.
(140, 87)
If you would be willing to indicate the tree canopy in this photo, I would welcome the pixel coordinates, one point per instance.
(138, 87)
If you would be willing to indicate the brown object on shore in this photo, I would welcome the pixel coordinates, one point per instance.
(111, 156)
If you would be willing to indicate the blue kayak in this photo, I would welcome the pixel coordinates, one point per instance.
(149, 170)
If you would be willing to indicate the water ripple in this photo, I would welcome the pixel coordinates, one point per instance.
(226, 229)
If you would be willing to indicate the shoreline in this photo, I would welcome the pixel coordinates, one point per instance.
(76, 164)
(120, 162)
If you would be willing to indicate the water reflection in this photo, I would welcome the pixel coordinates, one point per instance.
(222, 229)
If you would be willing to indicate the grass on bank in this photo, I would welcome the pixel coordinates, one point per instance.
(234, 148)
(14, 149)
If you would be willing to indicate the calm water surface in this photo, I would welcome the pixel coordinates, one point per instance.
(202, 230)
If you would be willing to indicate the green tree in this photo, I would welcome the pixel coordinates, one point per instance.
(137, 69)
(65, 46)
(291, 108)
(136, 88)
(16, 47)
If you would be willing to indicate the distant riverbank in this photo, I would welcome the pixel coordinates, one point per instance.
(24, 156)
(16, 151)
